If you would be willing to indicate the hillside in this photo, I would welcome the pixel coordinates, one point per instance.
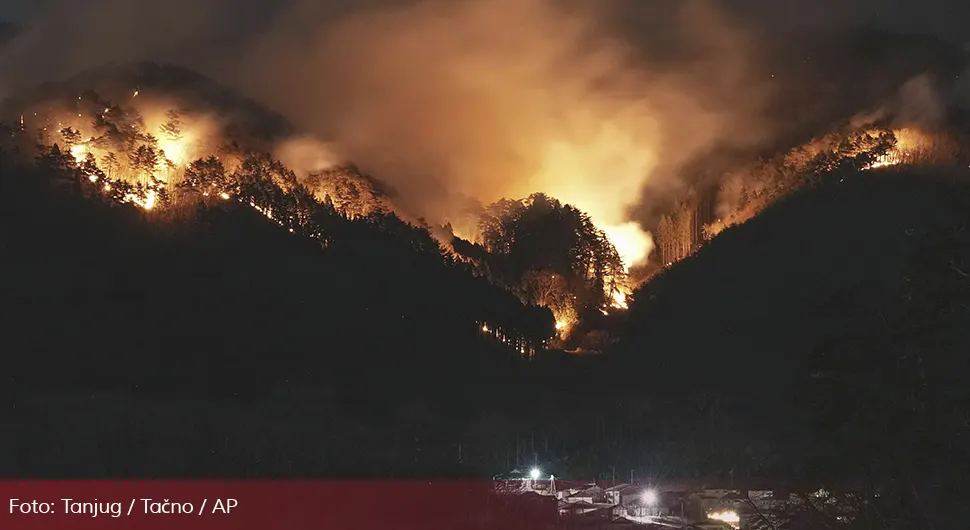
(838, 315)
(217, 279)
(240, 119)
(216, 303)
(823, 262)
(329, 337)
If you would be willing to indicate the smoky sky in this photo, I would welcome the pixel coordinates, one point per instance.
(943, 18)
(596, 103)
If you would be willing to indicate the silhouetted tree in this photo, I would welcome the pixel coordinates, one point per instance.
(172, 128)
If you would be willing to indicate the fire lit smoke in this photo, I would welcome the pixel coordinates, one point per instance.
(307, 155)
(502, 98)
(455, 99)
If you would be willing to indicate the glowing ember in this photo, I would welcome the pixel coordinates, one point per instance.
(224, 195)
(619, 300)
(886, 160)
(561, 325)
(728, 516)
(79, 152)
(147, 203)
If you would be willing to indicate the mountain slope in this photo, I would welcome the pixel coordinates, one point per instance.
(220, 300)
(166, 86)
(830, 262)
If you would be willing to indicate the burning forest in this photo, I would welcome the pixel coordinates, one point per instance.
(462, 237)
(162, 154)
(562, 132)
(161, 151)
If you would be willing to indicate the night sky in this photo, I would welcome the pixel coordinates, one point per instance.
(944, 18)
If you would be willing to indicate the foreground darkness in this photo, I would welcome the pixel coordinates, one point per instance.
(813, 341)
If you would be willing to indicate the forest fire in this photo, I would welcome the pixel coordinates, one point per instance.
(79, 152)
(727, 516)
(147, 154)
(631, 241)
(914, 146)
(887, 160)
(618, 300)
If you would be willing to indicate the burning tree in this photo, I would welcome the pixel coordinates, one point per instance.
(172, 128)
(766, 181)
(207, 176)
(544, 249)
(353, 194)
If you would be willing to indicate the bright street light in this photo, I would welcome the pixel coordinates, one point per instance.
(649, 497)
(535, 473)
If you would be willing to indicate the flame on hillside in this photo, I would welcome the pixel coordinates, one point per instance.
(631, 241)
(912, 146)
(618, 300)
(569, 170)
(730, 517)
(162, 143)
(136, 153)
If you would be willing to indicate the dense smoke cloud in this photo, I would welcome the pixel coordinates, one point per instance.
(921, 103)
(449, 99)
(306, 155)
(502, 98)
(68, 36)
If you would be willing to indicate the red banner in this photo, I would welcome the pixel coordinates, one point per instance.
(264, 505)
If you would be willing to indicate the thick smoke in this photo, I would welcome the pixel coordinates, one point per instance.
(920, 103)
(456, 99)
(68, 36)
(502, 98)
(306, 155)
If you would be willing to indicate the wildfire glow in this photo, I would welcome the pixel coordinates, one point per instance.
(728, 516)
(618, 300)
(79, 152)
(883, 161)
(175, 150)
(572, 171)
(909, 143)
(147, 203)
(631, 242)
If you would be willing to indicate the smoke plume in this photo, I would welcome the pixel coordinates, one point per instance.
(502, 98)
(455, 99)
(306, 155)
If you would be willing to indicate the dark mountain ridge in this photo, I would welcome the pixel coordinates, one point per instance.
(761, 296)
